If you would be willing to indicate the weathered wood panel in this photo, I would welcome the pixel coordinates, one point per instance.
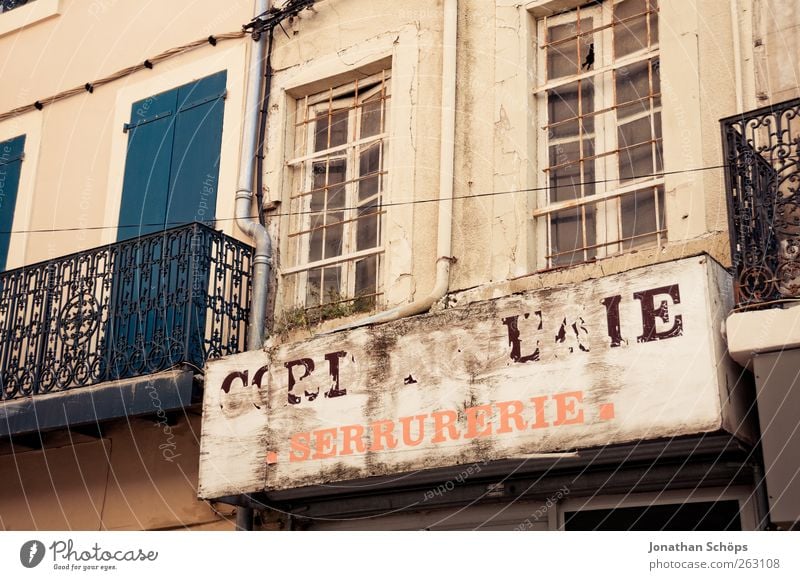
(627, 357)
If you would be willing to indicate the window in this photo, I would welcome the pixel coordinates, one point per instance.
(11, 154)
(336, 237)
(172, 162)
(7, 5)
(599, 110)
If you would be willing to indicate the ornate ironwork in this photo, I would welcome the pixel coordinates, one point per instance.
(128, 309)
(762, 150)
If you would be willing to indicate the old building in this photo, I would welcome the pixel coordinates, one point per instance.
(513, 273)
(116, 125)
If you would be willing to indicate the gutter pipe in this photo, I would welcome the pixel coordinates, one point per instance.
(444, 244)
(262, 259)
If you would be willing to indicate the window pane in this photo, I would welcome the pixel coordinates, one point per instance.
(638, 219)
(567, 231)
(565, 183)
(333, 235)
(315, 238)
(631, 35)
(331, 284)
(564, 153)
(321, 132)
(366, 276)
(635, 132)
(339, 121)
(636, 162)
(562, 58)
(336, 190)
(313, 287)
(371, 118)
(633, 82)
(367, 228)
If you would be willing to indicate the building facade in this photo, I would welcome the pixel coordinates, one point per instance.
(509, 287)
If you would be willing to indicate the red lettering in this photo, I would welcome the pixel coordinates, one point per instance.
(326, 443)
(566, 413)
(507, 415)
(352, 435)
(444, 420)
(382, 430)
(300, 449)
(477, 418)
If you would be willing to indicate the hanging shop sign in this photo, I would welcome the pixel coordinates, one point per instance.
(633, 356)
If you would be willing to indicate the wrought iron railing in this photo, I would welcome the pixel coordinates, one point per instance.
(124, 310)
(762, 150)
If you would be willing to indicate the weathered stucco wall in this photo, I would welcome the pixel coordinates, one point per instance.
(75, 148)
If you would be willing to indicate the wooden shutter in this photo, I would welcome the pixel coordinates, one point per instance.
(11, 153)
(172, 165)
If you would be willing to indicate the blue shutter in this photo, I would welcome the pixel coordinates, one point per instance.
(11, 153)
(196, 151)
(147, 166)
(172, 165)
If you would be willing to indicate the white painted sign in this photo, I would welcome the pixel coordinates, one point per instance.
(627, 357)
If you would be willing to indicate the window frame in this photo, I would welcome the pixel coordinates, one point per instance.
(338, 97)
(609, 236)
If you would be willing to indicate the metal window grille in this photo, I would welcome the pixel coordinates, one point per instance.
(599, 110)
(336, 233)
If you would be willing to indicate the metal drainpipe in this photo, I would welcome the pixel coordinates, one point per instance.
(446, 172)
(262, 259)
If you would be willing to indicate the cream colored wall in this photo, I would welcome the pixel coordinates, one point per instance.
(75, 148)
(124, 481)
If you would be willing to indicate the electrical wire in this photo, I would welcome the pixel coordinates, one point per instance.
(383, 205)
(146, 64)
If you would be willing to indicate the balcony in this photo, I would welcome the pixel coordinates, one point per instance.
(761, 150)
(131, 309)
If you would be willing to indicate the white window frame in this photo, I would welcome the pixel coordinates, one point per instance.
(605, 201)
(335, 98)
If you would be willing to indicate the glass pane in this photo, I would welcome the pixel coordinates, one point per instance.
(659, 151)
(562, 59)
(631, 35)
(655, 68)
(633, 82)
(368, 186)
(366, 282)
(564, 153)
(313, 287)
(565, 183)
(318, 176)
(567, 231)
(638, 219)
(370, 159)
(562, 103)
(315, 238)
(635, 132)
(636, 162)
(333, 235)
(654, 22)
(589, 177)
(339, 128)
(321, 132)
(331, 284)
(371, 118)
(367, 228)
